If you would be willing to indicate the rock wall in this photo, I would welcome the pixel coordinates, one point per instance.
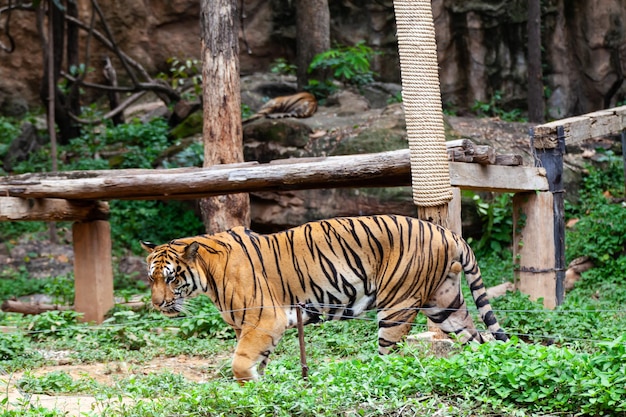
(481, 46)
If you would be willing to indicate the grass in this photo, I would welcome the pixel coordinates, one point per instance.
(346, 375)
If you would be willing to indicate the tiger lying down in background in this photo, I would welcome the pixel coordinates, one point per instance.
(300, 105)
(338, 268)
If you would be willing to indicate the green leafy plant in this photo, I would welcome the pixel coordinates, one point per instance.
(246, 111)
(493, 108)
(396, 98)
(17, 282)
(75, 71)
(184, 75)
(345, 64)
(60, 288)
(50, 323)
(600, 232)
(55, 382)
(130, 145)
(9, 130)
(283, 67)
(497, 218)
(154, 221)
(12, 346)
(202, 319)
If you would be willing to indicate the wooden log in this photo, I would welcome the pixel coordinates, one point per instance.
(16, 306)
(93, 269)
(366, 170)
(500, 290)
(575, 270)
(458, 155)
(52, 210)
(484, 155)
(465, 144)
(29, 178)
(509, 160)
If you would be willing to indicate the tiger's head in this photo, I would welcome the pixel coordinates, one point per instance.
(172, 274)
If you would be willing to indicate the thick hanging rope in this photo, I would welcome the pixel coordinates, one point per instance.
(422, 103)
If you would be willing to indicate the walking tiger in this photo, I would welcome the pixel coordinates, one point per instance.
(339, 268)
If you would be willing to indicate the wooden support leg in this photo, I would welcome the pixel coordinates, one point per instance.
(454, 212)
(534, 246)
(93, 269)
(552, 160)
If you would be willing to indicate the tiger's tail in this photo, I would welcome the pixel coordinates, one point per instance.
(477, 287)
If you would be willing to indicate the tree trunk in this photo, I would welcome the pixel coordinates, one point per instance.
(312, 34)
(67, 128)
(222, 130)
(535, 74)
(73, 57)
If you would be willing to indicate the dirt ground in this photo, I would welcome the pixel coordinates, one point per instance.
(194, 369)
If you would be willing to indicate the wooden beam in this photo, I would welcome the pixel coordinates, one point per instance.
(505, 179)
(52, 209)
(383, 169)
(576, 129)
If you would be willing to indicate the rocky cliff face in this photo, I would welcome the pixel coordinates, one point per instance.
(481, 46)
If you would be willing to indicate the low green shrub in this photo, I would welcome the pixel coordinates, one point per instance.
(345, 64)
(152, 221)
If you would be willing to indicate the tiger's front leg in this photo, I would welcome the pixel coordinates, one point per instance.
(253, 349)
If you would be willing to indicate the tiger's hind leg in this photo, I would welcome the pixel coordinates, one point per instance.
(447, 309)
(393, 325)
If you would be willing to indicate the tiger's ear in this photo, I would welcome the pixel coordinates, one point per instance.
(148, 247)
(190, 252)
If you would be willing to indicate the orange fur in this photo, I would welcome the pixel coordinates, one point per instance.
(298, 105)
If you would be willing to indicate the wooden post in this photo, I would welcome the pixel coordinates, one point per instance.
(552, 160)
(454, 212)
(533, 246)
(93, 269)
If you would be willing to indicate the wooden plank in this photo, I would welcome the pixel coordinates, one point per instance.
(52, 209)
(384, 169)
(579, 128)
(497, 178)
(93, 269)
(533, 246)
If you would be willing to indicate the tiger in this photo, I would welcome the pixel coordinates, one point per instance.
(330, 269)
(300, 105)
